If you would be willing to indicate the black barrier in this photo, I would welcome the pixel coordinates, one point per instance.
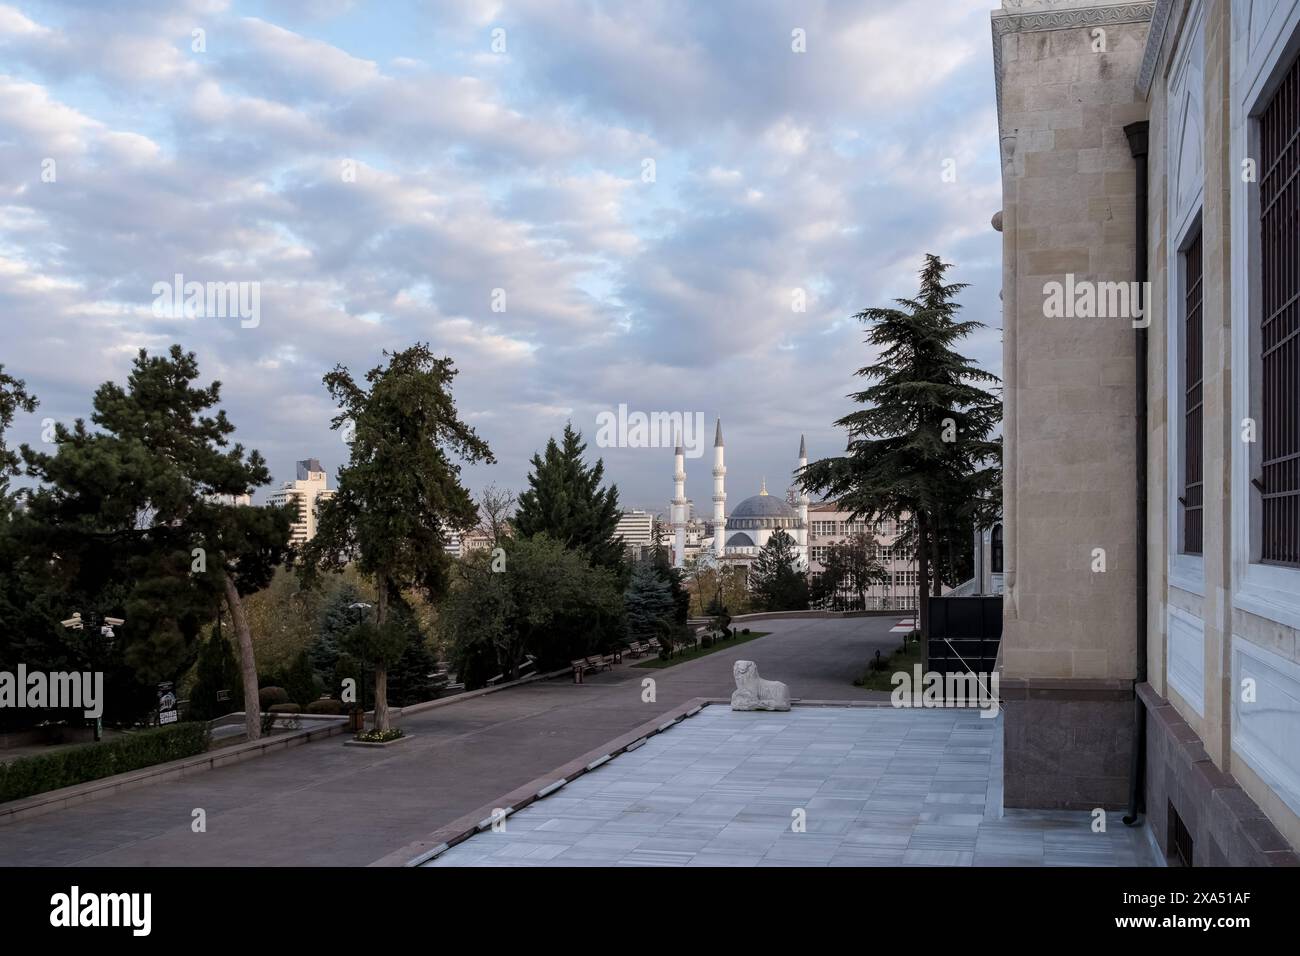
(964, 634)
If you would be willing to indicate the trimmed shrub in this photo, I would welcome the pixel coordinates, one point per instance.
(325, 706)
(66, 768)
(285, 709)
(269, 697)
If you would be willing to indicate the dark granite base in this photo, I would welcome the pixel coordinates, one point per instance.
(1226, 825)
(1068, 743)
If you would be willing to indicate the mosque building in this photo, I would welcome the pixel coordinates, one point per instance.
(738, 538)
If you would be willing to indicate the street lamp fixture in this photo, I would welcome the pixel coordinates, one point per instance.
(106, 625)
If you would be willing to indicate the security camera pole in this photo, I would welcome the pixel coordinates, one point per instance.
(106, 625)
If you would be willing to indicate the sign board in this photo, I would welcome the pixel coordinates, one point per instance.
(167, 713)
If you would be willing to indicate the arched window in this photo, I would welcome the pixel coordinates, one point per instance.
(995, 549)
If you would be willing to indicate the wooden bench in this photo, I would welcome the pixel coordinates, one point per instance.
(583, 665)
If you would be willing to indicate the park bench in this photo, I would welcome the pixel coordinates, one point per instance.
(582, 665)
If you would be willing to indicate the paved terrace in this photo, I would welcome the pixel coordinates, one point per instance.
(326, 804)
(880, 787)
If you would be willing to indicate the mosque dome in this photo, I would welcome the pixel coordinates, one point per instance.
(763, 506)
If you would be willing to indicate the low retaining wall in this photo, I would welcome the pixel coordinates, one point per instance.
(107, 786)
(779, 615)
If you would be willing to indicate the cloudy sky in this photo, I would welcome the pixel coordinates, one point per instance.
(584, 203)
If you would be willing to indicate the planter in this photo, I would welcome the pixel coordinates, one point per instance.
(386, 743)
(357, 721)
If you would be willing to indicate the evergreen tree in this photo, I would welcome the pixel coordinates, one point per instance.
(14, 398)
(126, 519)
(337, 618)
(399, 497)
(776, 579)
(923, 442)
(649, 603)
(675, 578)
(411, 681)
(298, 680)
(565, 500)
(216, 671)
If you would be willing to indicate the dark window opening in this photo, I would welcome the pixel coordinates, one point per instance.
(995, 549)
(1279, 334)
(1193, 498)
(1180, 840)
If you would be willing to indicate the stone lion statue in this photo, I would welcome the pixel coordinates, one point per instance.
(754, 693)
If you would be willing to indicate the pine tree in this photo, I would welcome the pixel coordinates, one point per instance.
(776, 579)
(14, 398)
(126, 515)
(923, 443)
(399, 497)
(649, 603)
(565, 500)
(216, 671)
(337, 617)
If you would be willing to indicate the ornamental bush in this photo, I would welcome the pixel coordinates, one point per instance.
(66, 768)
(269, 697)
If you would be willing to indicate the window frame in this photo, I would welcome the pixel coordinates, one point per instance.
(1261, 55)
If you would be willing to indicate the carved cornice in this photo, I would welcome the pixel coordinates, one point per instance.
(1155, 42)
(1004, 22)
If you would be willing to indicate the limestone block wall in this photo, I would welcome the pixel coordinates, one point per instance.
(1069, 212)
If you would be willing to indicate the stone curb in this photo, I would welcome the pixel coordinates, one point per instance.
(379, 743)
(461, 829)
(471, 694)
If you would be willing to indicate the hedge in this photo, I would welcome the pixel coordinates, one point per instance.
(66, 768)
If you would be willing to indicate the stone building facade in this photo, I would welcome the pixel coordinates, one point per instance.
(1151, 298)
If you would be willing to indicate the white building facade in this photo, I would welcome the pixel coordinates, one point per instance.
(304, 493)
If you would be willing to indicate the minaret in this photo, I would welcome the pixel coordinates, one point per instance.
(719, 495)
(679, 505)
(803, 501)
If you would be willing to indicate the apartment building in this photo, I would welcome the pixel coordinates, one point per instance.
(828, 525)
(304, 493)
(1151, 643)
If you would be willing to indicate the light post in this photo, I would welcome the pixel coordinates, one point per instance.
(106, 625)
(362, 606)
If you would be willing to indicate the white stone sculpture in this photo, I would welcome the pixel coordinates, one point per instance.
(754, 693)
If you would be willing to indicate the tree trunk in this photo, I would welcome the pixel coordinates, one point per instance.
(381, 666)
(247, 665)
(381, 696)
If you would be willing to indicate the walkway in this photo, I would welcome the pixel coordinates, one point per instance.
(326, 804)
(875, 786)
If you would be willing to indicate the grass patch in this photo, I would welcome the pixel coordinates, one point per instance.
(909, 652)
(701, 651)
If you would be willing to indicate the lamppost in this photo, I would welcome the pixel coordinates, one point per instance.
(362, 606)
(106, 625)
